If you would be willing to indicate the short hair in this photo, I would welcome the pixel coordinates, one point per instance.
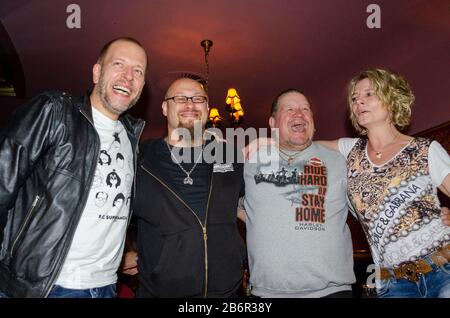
(393, 91)
(106, 47)
(189, 79)
(274, 108)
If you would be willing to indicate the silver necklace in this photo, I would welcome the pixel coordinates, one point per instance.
(188, 179)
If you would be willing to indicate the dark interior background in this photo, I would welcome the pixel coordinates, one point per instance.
(260, 47)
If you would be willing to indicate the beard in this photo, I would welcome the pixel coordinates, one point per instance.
(191, 131)
(116, 108)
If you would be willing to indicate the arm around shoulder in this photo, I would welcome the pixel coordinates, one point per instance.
(330, 144)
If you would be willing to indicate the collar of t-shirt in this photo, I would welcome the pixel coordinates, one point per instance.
(103, 122)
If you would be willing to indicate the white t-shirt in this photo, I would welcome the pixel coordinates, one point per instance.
(97, 246)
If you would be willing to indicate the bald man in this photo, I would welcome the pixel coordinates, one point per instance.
(57, 238)
(187, 237)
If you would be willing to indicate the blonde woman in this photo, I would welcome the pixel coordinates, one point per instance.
(392, 182)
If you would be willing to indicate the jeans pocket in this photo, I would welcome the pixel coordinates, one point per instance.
(445, 268)
(110, 291)
(383, 287)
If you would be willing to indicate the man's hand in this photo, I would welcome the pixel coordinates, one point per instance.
(445, 215)
(129, 263)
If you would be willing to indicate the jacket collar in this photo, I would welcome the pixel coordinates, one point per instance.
(133, 125)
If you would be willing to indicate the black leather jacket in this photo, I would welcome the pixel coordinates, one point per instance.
(48, 156)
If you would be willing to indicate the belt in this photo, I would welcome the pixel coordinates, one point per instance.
(414, 270)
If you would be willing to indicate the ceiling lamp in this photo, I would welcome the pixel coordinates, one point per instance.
(233, 101)
(234, 106)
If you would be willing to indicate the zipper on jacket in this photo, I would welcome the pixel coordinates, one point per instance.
(204, 231)
(24, 224)
(136, 153)
(206, 237)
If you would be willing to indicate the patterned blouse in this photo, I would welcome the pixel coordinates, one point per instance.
(396, 203)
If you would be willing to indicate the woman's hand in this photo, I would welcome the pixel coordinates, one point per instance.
(445, 215)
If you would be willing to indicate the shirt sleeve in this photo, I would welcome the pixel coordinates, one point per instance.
(438, 162)
(345, 145)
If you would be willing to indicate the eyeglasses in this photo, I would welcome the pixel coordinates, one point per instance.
(184, 99)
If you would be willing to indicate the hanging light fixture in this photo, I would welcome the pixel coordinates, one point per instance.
(232, 100)
(235, 108)
(214, 118)
(206, 45)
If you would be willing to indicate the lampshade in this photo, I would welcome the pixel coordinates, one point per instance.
(237, 114)
(232, 96)
(214, 117)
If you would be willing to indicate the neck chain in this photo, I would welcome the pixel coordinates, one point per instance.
(188, 179)
(289, 158)
(379, 153)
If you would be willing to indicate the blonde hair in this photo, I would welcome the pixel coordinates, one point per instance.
(393, 91)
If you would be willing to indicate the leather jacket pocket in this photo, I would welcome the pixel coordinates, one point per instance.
(24, 225)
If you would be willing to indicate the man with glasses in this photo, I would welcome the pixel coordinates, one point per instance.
(187, 238)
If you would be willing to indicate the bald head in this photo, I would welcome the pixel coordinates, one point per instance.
(107, 46)
(183, 83)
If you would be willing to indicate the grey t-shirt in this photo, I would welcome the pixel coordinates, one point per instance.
(299, 244)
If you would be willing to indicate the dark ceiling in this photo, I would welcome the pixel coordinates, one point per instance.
(260, 47)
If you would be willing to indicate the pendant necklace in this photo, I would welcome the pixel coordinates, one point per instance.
(188, 180)
(379, 153)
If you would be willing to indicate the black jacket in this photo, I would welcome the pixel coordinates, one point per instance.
(178, 255)
(48, 156)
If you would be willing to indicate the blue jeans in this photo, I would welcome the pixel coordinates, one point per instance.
(435, 284)
(108, 291)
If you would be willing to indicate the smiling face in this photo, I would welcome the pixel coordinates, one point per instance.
(366, 107)
(187, 114)
(119, 78)
(294, 119)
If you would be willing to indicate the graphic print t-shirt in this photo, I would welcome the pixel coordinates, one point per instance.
(297, 239)
(97, 246)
